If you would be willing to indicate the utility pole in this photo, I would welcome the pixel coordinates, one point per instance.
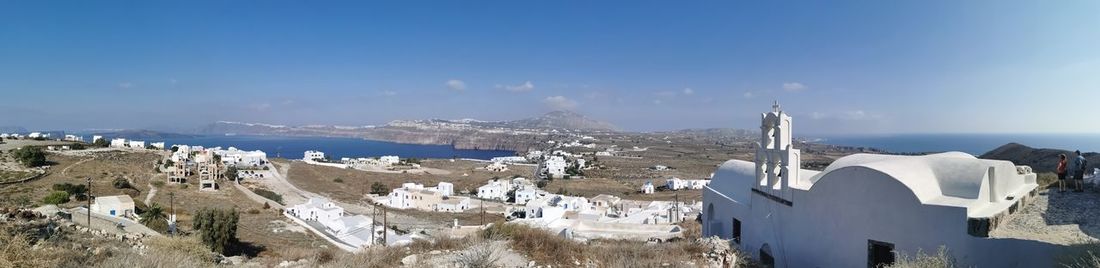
(172, 207)
(384, 226)
(88, 195)
(482, 212)
(676, 206)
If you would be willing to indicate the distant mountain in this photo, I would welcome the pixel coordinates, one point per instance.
(140, 134)
(563, 120)
(518, 135)
(1040, 159)
(13, 129)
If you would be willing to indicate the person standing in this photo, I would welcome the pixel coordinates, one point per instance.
(1079, 171)
(1061, 173)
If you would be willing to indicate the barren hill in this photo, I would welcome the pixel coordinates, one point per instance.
(1040, 159)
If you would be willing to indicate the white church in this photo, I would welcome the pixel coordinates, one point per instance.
(864, 209)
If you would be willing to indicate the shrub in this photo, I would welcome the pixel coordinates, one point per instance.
(121, 183)
(30, 156)
(155, 218)
(254, 211)
(338, 180)
(266, 206)
(269, 195)
(217, 228)
(379, 189)
(158, 184)
(231, 173)
(79, 191)
(56, 198)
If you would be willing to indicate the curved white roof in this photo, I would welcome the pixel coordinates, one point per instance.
(952, 178)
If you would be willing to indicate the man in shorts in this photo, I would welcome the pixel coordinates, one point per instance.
(1079, 164)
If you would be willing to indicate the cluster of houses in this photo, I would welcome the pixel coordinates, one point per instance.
(440, 198)
(210, 164)
(371, 162)
(135, 144)
(346, 231)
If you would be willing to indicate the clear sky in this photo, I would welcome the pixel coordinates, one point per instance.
(852, 67)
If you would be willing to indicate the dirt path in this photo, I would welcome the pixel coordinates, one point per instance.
(82, 161)
(152, 193)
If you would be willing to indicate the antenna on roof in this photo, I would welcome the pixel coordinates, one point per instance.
(775, 107)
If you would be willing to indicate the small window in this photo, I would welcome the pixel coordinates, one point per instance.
(736, 231)
(879, 254)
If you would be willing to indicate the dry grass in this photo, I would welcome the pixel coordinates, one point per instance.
(546, 248)
(942, 259)
(320, 179)
(165, 252)
(1080, 256)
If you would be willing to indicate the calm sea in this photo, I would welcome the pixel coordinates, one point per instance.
(334, 148)
(975, 144)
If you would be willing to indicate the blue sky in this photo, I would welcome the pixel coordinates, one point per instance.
(839, 68)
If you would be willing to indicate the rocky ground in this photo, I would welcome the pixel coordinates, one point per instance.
(1061, 218)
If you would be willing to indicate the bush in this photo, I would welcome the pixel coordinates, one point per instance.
(158, 184)
(231, 173)
(379, 189)
(269, 195)
(338, 180)
(217, 228)
(30, 156)
(56, 198)
(121, 183)
(539, 245)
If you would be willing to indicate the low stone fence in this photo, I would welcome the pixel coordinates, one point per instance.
(32, 177)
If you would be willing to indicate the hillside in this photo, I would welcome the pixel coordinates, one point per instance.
(1040, 159)
(140, 134)
(516, 135)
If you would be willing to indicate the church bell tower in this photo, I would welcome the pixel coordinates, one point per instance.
(777, 162)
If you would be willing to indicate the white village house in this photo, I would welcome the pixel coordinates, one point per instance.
(115, 206)
(495, 190)
(864, 209)
(647, 188)
(314, 155)
(317, 209)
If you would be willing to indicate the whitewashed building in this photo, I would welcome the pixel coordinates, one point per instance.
(136, 144)
(114, 206)
(118, 143)
(96, 138)
(158, 145)
(453, 204)
(314, 155)
(865, 209)
(237, 157)
(494, 190)
(648, 188)
(317, 209)
(389, 160)
(497, 167)
(526, 194)
(555, 166)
